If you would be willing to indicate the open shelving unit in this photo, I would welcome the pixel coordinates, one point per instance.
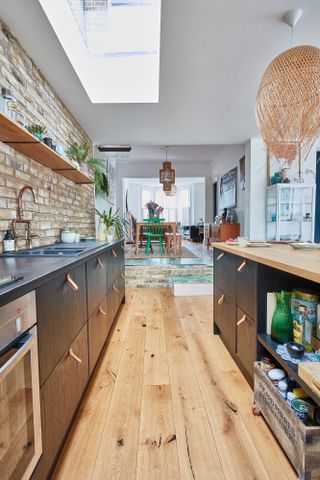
(18, 137)
(292, 369)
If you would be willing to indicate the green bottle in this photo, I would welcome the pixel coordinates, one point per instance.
(282, 325)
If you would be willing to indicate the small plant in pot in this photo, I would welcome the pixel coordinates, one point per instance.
(116, 226)
(37, 130)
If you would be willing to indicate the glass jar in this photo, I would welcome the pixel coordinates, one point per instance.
(8, 103)
(282, 325)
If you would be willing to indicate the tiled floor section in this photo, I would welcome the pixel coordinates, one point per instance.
(162, 272)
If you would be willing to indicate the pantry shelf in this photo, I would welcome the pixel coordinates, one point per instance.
(271, 346)
(24, 142)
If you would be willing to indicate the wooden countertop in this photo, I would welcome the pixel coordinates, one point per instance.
(303, 263)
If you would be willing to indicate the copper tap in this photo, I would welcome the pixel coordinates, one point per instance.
(24, 189)
(20, 219)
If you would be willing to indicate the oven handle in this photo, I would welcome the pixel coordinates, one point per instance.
(27, 342)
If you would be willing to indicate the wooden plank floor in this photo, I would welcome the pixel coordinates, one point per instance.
(168, 402)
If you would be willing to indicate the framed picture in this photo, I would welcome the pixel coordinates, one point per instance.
(242, 163)
(228, 189)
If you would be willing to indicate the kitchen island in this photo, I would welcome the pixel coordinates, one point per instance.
(242, 278)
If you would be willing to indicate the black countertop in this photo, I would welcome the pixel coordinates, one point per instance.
(37, 271)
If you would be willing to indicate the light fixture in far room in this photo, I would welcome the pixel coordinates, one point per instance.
(172, 192)
(288, 100)
(167, 175)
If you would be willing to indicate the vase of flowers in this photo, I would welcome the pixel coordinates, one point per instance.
(154, 209)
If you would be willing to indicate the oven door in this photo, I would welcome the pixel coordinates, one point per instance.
(20, 422)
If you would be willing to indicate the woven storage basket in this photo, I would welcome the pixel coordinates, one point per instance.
(288, 103)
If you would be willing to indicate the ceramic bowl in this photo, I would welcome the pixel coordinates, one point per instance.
(295, 350)
(68, 237)
(242, 241)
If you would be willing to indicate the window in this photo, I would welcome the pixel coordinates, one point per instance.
(113, 45)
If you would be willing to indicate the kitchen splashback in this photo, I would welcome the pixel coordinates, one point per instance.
(59, 202)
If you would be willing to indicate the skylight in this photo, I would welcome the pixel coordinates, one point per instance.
(113, 45)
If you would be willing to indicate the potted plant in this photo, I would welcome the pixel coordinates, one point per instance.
(78, 153)
(115, 225)
(37, 130)
(154, 209)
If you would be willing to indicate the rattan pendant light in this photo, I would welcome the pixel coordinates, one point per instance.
(288, 103)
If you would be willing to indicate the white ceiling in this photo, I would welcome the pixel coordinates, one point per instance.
(183, 153)
(213, 54)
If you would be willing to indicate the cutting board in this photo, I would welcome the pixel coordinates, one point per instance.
(310, 373)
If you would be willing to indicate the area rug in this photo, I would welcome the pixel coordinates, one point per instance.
(131, 254)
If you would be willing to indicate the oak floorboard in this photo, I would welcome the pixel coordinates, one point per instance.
(157, 449)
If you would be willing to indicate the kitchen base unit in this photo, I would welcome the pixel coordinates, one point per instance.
(76, 303)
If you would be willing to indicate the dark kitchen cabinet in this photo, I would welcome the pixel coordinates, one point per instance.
(99, 324)
(115, 263)
(97, 280)
(246, 340)
(225, 267)
(246, 273)
(61, 313)
(235, 307)
(225, 318)
(60, 396)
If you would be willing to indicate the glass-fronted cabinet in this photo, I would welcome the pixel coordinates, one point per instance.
(290, 212)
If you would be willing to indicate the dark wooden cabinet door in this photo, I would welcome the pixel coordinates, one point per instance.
(61, 313)
(246, 340)
(115, 262)
(60, 396)
(225, 268)
(225, 318)
(97, 280)
(98, 329)
(247, 286)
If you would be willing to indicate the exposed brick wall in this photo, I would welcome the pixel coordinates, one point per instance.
(59, 202)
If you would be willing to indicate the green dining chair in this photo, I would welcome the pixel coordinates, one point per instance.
(154, 234)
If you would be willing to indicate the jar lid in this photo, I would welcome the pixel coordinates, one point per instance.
(307, 295)
(299, 405)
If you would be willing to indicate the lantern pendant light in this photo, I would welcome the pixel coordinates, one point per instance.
(167, 175)
(288, 100)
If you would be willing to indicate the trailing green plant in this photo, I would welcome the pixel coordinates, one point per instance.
(114, 220)
(101, 183)
(37, 129)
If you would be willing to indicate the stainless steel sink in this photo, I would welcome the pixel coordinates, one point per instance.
(57, 250)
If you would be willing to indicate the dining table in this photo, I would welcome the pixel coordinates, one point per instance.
(171, 226)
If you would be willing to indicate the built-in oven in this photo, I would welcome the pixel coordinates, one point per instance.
(20, 421)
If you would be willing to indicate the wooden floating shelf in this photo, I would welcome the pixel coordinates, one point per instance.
(18, 137)
(290, 368)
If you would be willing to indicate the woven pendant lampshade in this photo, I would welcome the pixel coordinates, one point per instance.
(288, 103)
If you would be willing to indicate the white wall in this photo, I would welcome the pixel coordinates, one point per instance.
(227, 159)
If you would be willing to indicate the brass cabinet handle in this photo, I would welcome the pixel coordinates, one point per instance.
(114, 253)
(115, 289)
(220, 256)
(241, 267)
(221, 299)
(102, 311)
(99, 262)
(242, 319)
(73, 355)
(73, 284)
(123, 276)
